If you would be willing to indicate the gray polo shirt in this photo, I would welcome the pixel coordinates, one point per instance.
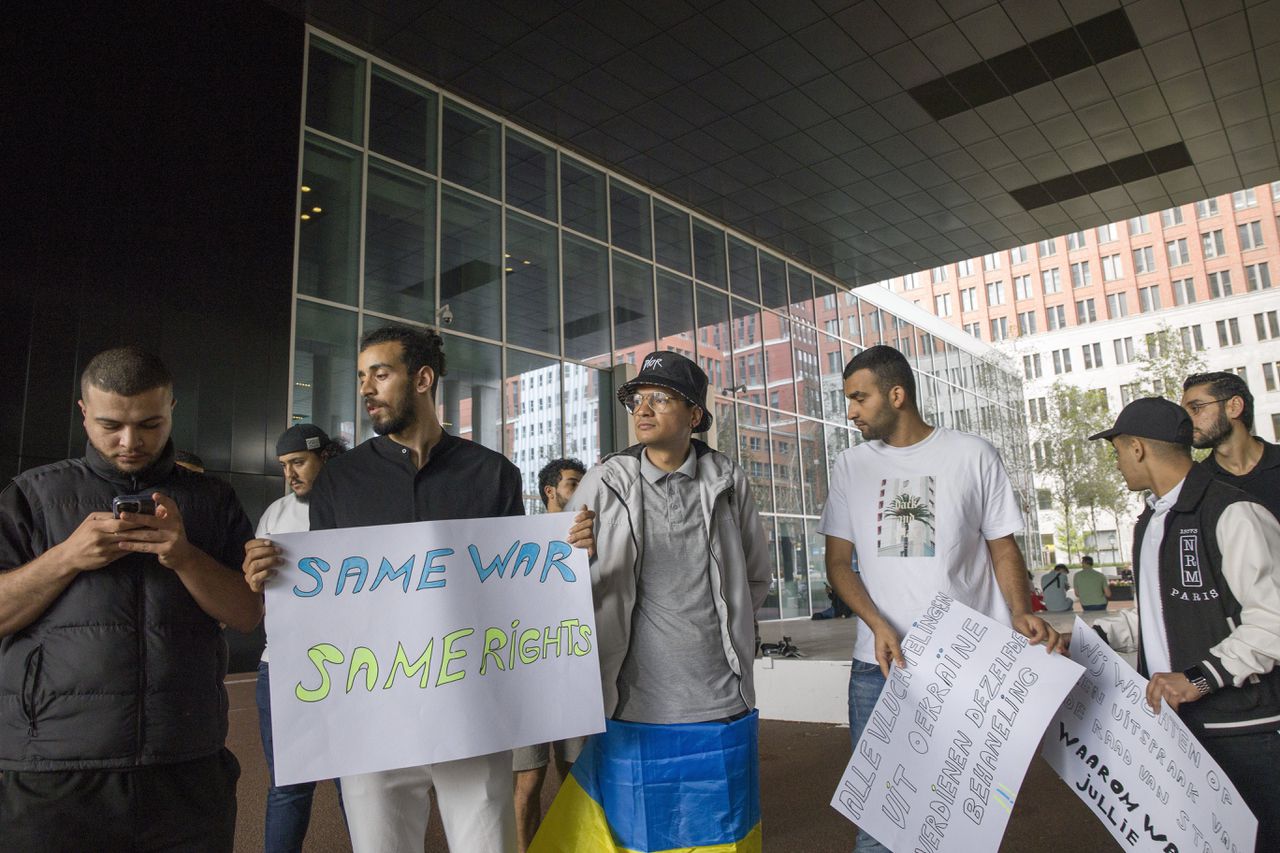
(675, 670)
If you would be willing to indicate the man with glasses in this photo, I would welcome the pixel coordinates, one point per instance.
(679, 568)
(1221, 410)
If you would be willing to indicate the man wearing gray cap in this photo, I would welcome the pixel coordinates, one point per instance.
(1208, 601)
(302, 450)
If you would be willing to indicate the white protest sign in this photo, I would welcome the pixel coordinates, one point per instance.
(409, 644)
(1142, 774)
(939, 765)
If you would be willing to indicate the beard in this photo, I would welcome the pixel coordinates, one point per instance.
(400, 416)
(1215, 434)
(881, 428)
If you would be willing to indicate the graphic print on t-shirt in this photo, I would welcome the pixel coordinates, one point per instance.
(905, 516)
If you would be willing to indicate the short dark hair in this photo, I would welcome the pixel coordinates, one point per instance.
(127, 371)
(552, 472)
(1225, 385)
(1086, 560)
(335, 447)
(1059, 566)
(889, 367)
(420, 348)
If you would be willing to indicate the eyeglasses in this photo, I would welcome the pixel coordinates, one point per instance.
(659, 401)
(1196, 406)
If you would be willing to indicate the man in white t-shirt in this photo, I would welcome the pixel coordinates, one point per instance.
(302, 450)
(922, 510)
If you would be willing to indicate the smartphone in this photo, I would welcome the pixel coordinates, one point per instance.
(141, 504)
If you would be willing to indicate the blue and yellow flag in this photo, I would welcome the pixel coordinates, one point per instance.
(637, 788)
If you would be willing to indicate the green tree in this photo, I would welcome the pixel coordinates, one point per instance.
(1065, 458)
(908, 508)
(1165, 363)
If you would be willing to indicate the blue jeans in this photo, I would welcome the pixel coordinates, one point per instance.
(865, 684)
(1093, 606)
(288, 806)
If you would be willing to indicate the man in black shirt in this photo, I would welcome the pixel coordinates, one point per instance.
(1221, 410)
(415, 471)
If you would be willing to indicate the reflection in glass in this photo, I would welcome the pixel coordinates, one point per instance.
(675, 313)
(800, 286)
(786, 462)
(629, 219)
(470, 252)
(402, 120)
(632, 308)
(804, 348)
(335, 91)
(531, 176)
(819, 599)
(770, 610)
(533, 284)
(744, 275)
(469, 398)
(586, 300)
(793, 569)
(777, 362)
(773, 281)
(324, 369)
(708, 254)
(814, 459)
(838, 440)
(748, 352)
(671, 237)
(399, 244)
(715, 349)
(589, 410)
(471, 144)
(531, 419)
(328, 235)
(725, 427)
(850, 317)
(872, 325)
(755, 456)
(831, 363)
(582, 199)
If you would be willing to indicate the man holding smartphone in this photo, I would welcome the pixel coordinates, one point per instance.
(113, 712)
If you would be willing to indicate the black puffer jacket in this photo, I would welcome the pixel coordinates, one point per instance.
(124, 668)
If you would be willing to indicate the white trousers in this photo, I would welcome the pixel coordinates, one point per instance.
(387, 812)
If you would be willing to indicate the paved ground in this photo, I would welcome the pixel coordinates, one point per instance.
(800, 764)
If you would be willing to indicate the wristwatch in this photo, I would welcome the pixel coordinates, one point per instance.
(1196, 676)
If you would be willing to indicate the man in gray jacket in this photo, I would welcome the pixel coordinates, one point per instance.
(681, 560)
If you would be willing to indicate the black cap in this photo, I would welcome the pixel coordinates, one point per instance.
(301, 437)
(667, 369)
(1151, 417)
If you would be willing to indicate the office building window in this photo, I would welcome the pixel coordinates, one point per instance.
(1244, 199)
(1076, 240)
(1061, 361)
(1117, 305)
(1026, 322)
(965, 267)
(937, 275)
(1250, 235)
(942, 304)
(1211, 243)
(1184, 291)
(1171, 217)
(1112, 268)
(911, 281)
(1055, 317)
(1085, 311)
(1178, 254)
(1130, 392)
(995, 293)
(1022, 286)
(974, 329)
(1080, 275)
(1257, 277)
(1206, 208)
(1148, 299)
(1124, 350)
(1275, 426)
(1192, 339)
(1052, 280)
(1139, 225)
(1092, 356)
(1031, 366)
(991, 261)
(1266, 325)
(1019, 255)
(969, 299)
(1269, 378)
(1220, 284)
(1107, 233)
(1228, 332)
(1047, 248)
(999, 328)
(1144, 260)
(1038, 410)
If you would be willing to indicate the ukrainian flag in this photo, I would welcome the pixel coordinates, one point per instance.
(638, 788)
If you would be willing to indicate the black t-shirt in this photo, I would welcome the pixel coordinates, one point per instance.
(1262, 483)
(378, 483)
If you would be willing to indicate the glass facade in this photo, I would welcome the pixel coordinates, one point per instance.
(415, 207)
